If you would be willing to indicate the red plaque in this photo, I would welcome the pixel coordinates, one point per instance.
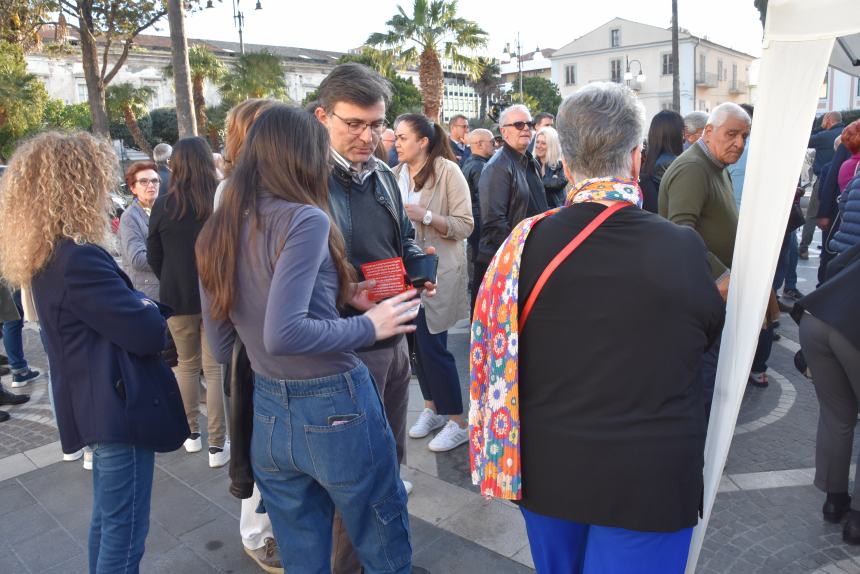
(390, 277)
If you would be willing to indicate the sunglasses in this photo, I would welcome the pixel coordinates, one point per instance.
(520, 125)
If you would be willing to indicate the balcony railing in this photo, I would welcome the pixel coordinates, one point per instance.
(738, 87)
(706, 79)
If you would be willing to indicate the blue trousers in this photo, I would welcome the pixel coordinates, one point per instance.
(437, 369)
(122, 491)
(12, 338)
(566, 547)
(321, 444)
(786, 265)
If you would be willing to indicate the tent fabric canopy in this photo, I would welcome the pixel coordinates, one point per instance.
(800, 42)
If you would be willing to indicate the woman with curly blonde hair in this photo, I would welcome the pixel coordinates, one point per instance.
(112, 391)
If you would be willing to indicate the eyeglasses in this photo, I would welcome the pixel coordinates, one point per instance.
(146, 182)
(520, 125)
(464, 126)
(357, 127)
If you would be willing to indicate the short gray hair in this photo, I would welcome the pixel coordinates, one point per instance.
(514, 108)
(695, 121)
(162, 152)
(727, 110)
(598, 127)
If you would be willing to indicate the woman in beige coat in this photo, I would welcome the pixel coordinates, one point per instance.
(436, 198)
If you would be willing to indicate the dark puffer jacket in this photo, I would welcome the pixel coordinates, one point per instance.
(848, 234)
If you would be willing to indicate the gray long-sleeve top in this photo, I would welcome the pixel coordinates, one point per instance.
(284, 308)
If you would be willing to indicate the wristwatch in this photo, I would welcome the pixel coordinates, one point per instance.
(428, 218)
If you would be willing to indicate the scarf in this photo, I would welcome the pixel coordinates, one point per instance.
(494, 418)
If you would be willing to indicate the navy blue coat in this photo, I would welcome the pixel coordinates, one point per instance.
(848, 233)
(104, 343)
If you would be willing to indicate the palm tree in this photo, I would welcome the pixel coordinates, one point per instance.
(254, 75)
(130, 102)
(486, 79)
(204, 66)
(433, 31)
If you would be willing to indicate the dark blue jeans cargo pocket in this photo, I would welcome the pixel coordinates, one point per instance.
(340, 453)
(261, 443)
(393, 526)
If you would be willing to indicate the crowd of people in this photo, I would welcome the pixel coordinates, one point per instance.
(256, 276)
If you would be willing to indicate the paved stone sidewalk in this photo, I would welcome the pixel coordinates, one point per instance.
(766, 519)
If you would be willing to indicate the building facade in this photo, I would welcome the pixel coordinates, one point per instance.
(640, 55)
(839, 92)
(534, 64)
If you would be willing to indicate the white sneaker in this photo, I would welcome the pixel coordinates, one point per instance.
(451, 436)
(74, 456)
(193, 443)
(88, 459)
(219, 456)
(407, 486)
(427, 422)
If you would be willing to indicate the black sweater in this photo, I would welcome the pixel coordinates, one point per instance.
(611, 404)
(170, 253)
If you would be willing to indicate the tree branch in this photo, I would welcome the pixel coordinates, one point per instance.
(129, 41)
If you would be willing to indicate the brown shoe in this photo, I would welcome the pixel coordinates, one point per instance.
(267, 557)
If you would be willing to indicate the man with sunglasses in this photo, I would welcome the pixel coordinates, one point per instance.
(510, 188)
(366, 204)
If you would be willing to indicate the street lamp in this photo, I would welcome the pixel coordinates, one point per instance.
(628, 75)
(519, 56)
(238, 18)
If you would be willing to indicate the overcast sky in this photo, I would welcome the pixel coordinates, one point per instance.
(343, 24)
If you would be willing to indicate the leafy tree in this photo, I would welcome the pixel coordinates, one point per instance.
(20, 21)
(64, 116)
(22, 98)
(130, 103)
(545, 93)
(103, 27)
(405, 97)
(204, 66)
(254, 75)
(527, 100)
(434, 31)
(486, 79)
(165, 127)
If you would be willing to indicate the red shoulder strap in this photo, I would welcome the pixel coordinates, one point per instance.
(564, 254)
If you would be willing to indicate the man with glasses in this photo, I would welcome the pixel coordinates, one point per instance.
(458, 128)
(510, 188)
(482, 145)
(366, 205)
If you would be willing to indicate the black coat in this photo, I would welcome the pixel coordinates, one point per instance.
(510, 190)
(104, 342)
(611, 402)
(170, 253)
(472, 169)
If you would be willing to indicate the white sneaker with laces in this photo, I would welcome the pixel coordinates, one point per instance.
(451, 436)
(73, 456)
(193, 443)
(427, 422)
(219, 456)
(407, 486)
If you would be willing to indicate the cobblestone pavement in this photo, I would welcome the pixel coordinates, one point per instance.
(767, 517)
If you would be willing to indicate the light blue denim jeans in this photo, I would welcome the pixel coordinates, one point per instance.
(321, 444)
(122, 491)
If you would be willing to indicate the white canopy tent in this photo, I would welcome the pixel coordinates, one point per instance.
(801, 38)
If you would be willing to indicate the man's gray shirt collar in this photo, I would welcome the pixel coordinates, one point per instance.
(710, 156)
(357, 176)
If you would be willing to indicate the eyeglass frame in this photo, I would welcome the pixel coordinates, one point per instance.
(383, 125)
(145, 182)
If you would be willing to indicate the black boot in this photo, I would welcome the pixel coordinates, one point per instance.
(835, 507)
(851, 532)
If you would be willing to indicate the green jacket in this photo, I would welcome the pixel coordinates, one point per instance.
(696, 192)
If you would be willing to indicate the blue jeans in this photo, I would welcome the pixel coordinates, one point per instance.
(122, 490)
(321, 444)
(570, 547)
(786, 265)
(437, 369)
(12, 338)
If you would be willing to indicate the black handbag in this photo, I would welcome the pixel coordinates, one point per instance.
(795, 218)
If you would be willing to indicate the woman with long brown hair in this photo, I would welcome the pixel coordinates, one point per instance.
(111, 389)
(175, 221)
(273, 271)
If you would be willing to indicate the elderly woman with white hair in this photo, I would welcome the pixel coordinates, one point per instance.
(586, 341)
(548, 156)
